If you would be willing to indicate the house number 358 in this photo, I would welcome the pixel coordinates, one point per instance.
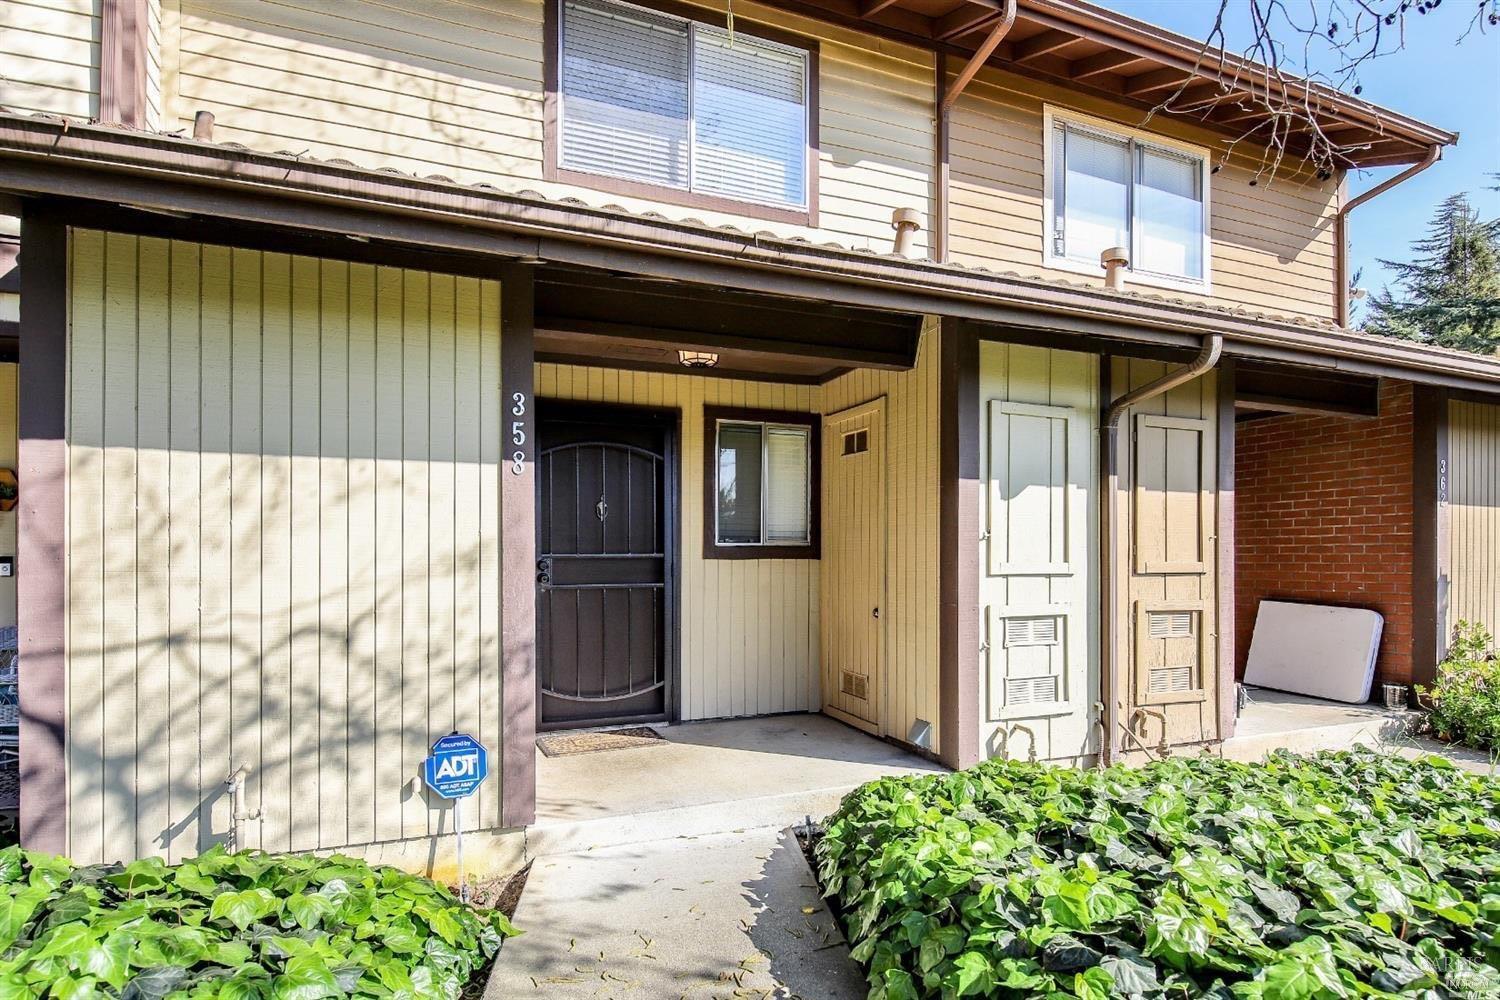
(518, 433)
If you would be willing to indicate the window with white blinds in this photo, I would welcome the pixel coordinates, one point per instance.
(678, 104)
(1113, 190)
(764, 487)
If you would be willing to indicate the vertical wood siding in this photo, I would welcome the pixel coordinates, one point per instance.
(1039, 508)
(1168, 489)
(456, 89)
(1272, 243)
(49, 56)
(9, 382)
(748, 628)
(278, 547)
(1473, 515)
(910, 615)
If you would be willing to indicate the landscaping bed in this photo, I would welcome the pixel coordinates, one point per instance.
(1336, 875)
(235, 927)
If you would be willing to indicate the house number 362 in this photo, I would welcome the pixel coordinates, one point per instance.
(518, 433)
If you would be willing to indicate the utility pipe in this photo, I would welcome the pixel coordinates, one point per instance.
(946, 94)
(1109, 426)
(1341, 229)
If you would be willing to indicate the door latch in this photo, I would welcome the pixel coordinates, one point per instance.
(875, 613)
(544, 571)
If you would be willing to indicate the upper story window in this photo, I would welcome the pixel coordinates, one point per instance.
(761, 474)
(663, 102)
(1108, 188)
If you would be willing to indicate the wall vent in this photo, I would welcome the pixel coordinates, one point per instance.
(1169, 680)
(1030, 690)
(854, 685)
(856, 442)
(1031, 631)
(1169, 624)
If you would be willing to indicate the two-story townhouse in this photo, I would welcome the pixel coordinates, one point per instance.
(388, 369)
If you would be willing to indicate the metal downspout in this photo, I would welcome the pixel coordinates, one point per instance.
(1341, 229)
(945, 96)
(1109, 426)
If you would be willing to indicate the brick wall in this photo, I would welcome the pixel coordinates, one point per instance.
(1323, 512)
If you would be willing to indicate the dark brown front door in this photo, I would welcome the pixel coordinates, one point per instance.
(604, 565)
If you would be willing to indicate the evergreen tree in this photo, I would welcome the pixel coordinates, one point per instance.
(1449, 293)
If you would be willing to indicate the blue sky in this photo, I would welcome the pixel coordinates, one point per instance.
(1434, 78)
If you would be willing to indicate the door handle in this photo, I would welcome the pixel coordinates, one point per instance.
(544, 571)
(875, 613)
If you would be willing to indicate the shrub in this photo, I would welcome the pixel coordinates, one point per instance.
(234, 927)
(1465, 701)
(1328, 876)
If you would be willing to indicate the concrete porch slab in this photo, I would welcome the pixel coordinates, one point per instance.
(729, 915)
(1275, 720)
(705, 778)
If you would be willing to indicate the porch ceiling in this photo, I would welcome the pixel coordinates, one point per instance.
(1082, 46)
(593, 318)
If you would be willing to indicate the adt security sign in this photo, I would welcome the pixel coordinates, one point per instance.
(457, 765)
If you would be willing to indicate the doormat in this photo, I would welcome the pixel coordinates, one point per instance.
(568, 744)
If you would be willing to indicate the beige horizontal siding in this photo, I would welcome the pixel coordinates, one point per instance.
(1272, 243)
(1474, 515)
(282, 543)
(748, 628)
(456, 89)
(909, 678)
(49, 57)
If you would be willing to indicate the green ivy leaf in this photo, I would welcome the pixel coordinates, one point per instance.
(243, 908)
(972, 975)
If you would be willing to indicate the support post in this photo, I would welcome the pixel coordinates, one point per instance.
(958, 546)
(1224, 536)
(518, 547)
(1430, 571)
(41, 568)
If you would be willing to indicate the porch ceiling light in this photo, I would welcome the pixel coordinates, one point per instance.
(697, 359)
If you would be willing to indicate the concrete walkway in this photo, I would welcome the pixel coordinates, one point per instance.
(727, 916)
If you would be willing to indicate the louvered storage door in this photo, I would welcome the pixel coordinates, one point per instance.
(625, 93)
(1170, 652)
(1036, 488)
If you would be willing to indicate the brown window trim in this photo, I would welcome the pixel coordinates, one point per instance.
(553, 171)
(711, 547)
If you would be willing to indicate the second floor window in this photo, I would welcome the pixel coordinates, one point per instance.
(1115, 190)
(659, 100)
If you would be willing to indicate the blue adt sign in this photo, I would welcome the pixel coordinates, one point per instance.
(457, 765)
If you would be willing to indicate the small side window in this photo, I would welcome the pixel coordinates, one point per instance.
(761, 497)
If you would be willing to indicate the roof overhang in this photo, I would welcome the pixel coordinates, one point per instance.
(1083, 46)
(183, 179)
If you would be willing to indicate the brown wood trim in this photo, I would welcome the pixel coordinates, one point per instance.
(711, 547)
(123, 38)
(41, 565)
(941, 144)
(1224, 617)
(667, 368)
(517, 552)
(552, 169)
(1430, 570)
(958, 546)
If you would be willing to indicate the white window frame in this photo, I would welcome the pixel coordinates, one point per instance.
(766, 426)
(1051, 117)
(808, 151)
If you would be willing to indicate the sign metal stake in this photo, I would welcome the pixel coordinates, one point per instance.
(458, 828)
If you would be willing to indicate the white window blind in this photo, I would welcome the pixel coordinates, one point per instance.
(749, 118)
(678, 104)
(625, 83)
(787, 485)
(1095, 194)
(1113, 191)
(1169, 214)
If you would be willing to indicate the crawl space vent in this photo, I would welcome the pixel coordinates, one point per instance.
(1030, 690)
(854, 685)
(1031, 631)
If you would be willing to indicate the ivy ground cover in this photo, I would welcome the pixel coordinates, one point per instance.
(1337, 875)
(234, 927)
